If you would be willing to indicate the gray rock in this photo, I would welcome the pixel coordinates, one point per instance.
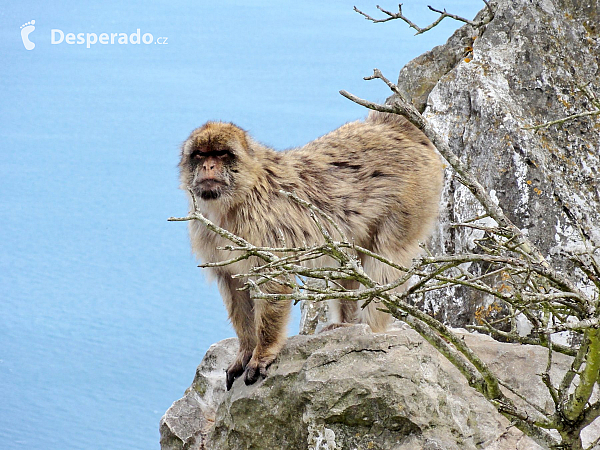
(187, 422)
(524, 69)
(419, 76)
(350, 388)
(314, 314)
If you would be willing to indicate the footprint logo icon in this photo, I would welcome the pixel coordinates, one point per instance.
(26, 30)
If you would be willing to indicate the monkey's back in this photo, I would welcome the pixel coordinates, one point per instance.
(380, 179)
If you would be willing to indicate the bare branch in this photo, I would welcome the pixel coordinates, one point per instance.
(546, 422)
(563, 120)
(443, 14)
(513, 337)
(575, 406)
(313, 208)
(581, 325)
(368, 104)
(406, 109)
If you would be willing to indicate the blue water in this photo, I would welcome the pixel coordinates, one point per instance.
(104, 314)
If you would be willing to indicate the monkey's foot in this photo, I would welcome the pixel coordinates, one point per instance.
(236, 368)
(257, 367)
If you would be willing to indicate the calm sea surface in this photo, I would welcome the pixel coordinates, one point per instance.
(103, 312)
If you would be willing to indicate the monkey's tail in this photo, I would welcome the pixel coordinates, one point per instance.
(390, 119)
(399, 124)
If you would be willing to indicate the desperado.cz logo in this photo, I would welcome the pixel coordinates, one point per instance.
(58, 37)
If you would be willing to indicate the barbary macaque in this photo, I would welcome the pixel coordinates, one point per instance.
(379, 179)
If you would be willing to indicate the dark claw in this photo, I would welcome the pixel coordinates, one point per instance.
(235, 369)
(254, 372)
(231, 375)
(251, 375)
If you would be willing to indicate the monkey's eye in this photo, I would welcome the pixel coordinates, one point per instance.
(221, 153)
(215, 154)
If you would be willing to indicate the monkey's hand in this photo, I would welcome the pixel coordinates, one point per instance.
(257, 367)
(236, 368)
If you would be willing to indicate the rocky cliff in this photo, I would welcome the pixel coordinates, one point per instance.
(482, 89)
(351, 389)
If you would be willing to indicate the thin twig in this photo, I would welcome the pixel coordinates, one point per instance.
(452, 16)
(563, 120)
(511, 337)
(547, 423)
(443, 14)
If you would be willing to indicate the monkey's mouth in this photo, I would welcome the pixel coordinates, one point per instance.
(210, 189)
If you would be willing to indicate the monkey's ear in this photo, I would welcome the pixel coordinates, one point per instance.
(186, 147)
(241, 139)
(186, 150)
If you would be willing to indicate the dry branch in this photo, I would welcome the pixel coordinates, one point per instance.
(443, 14)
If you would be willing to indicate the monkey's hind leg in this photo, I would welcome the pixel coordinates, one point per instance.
(241, 314)
(271, 318)
(371, 314)
(348, 309)
(343, 312)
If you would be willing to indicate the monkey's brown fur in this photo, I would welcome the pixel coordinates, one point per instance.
(379, 179)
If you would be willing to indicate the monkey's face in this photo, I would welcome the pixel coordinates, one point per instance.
(211, 171)
(209, 160)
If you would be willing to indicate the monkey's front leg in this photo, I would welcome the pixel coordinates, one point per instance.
(271, 318)
(240, 309)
